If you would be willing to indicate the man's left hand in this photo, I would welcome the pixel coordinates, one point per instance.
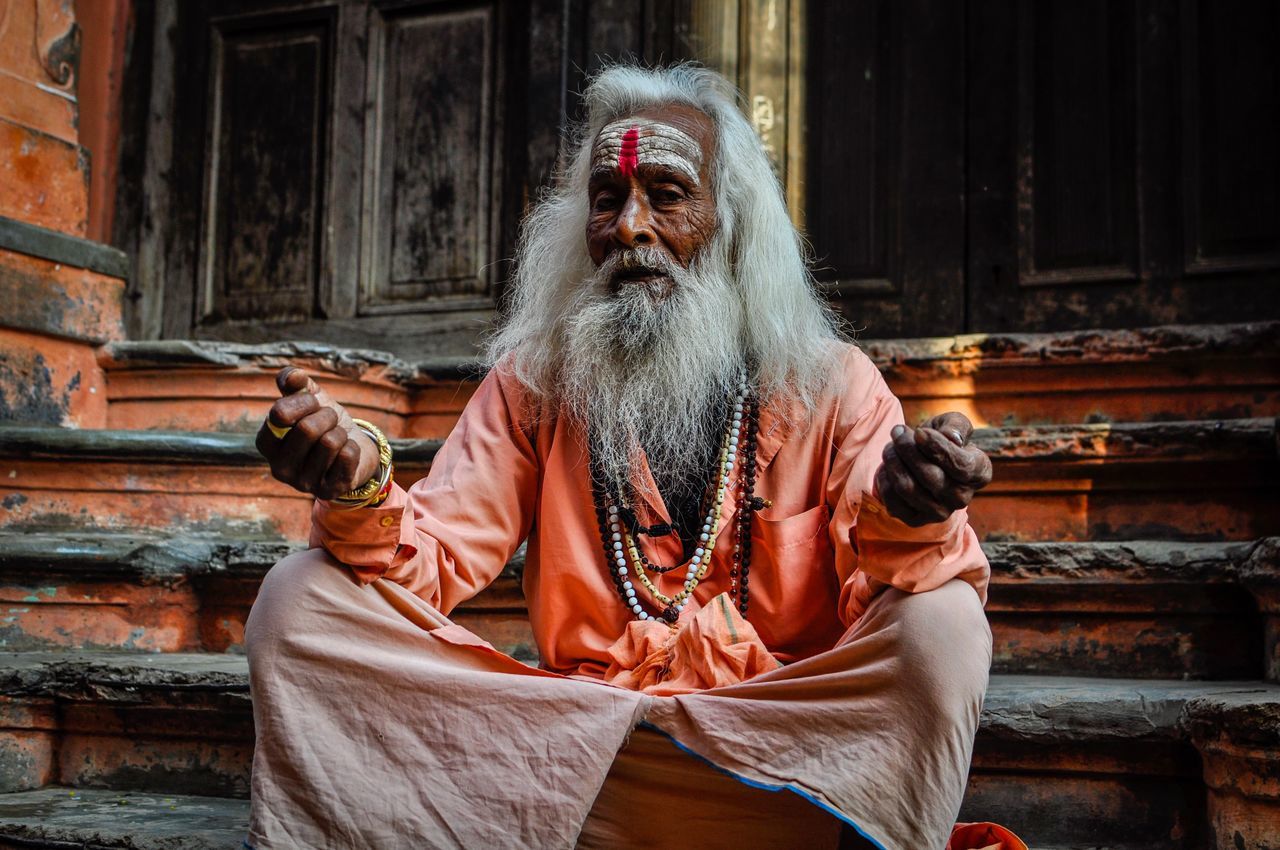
(931, 471)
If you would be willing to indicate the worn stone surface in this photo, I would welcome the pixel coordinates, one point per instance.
(160, 446)
(1068, 708)
(1131, 344)
(348, 362)
(43, 180)
(47, 297)
(1213, 440)
(176, 593)
(46, 381)
(121, 676)
(90, 818)
(173, 722)
(183, 482)
(130, 555)
(1171, 373)
(1249, 339)
(1157, 480)
(228, 387)
(1132, 609)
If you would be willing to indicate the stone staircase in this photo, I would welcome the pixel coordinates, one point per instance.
(1133, 528)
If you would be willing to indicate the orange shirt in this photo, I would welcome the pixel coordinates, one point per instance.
(819, 553)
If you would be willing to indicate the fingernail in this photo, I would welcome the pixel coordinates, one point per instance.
(897, 431)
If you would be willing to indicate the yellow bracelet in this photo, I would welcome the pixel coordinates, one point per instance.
(377, 487)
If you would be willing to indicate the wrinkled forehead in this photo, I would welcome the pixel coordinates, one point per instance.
(629, 143)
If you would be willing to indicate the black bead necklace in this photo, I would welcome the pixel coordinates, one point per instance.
(614, 519)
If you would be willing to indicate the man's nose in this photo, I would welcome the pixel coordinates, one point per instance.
(635, 223)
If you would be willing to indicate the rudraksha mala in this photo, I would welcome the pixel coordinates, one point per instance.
(618, 524)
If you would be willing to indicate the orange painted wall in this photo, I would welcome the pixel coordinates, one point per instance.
(105, 26)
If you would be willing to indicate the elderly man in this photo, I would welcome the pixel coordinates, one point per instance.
(745, 573)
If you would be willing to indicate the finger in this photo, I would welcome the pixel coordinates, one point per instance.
(291, 379)
(894, 503)
(341, 477)
(266, 442)
(963, 464)
(321, 456)
(930, 476)
(298, 443)
(288, 411)
(927, 474)
(954, 425)
(905, 487)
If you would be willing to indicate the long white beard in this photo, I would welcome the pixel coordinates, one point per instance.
(650, 374)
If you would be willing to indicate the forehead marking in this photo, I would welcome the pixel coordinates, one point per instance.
(628, 157)
(625, 145)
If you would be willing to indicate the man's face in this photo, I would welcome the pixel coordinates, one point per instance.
(651, 189)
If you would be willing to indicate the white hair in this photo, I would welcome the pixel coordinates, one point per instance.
(767, 313)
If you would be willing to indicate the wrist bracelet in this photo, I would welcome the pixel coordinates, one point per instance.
(374, 491)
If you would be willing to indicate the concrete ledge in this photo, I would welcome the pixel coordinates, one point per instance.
(1151, 374)
(95, 819)
(36, 241)
(191, 447)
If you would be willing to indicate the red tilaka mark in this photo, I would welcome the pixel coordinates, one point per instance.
(627, 157)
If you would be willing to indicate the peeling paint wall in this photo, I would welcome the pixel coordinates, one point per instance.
(52, 315)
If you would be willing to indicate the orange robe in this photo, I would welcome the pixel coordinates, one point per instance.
(823, 549)
(381, 723)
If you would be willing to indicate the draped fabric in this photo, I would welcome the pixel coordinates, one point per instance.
(382, 724)
(849, 695)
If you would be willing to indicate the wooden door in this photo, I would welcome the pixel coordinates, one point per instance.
(341, 169)
(1122, 163)
(883, 191)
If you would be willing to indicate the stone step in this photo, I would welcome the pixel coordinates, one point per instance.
(160, 593)
(63, 818)
(1130, 762)
(1132, 375)
(1145, 609)
(203, 385)
(1147, 374)
(95, 819)
(1167, 480)
(184, 481)
(1061, 760)
(1142, 609)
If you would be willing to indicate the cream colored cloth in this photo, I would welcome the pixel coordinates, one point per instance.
(380, 724)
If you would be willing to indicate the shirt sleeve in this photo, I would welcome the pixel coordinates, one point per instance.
(874, 549)
(451, 533)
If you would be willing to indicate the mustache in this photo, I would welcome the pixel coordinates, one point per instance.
(642, 258)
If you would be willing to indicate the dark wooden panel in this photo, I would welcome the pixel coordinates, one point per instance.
(885, 162)
(1232, 118)
(1077, 216)
(429, 150)
(1115, 260)
(269, 112)
(851, 190)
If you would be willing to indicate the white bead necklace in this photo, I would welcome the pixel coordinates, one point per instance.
(626, 554)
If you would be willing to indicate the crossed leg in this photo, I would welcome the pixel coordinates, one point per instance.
(382, 724)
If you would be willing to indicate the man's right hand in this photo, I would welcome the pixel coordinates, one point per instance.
(323, 453)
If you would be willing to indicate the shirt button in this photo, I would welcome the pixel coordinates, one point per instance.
(386, 521)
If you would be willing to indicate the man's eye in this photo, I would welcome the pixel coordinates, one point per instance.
(667, 196)
(606, 201)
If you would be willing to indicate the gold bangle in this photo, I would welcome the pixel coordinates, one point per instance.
(367, 492)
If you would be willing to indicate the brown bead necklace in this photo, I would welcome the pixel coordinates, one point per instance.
(629, 566)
